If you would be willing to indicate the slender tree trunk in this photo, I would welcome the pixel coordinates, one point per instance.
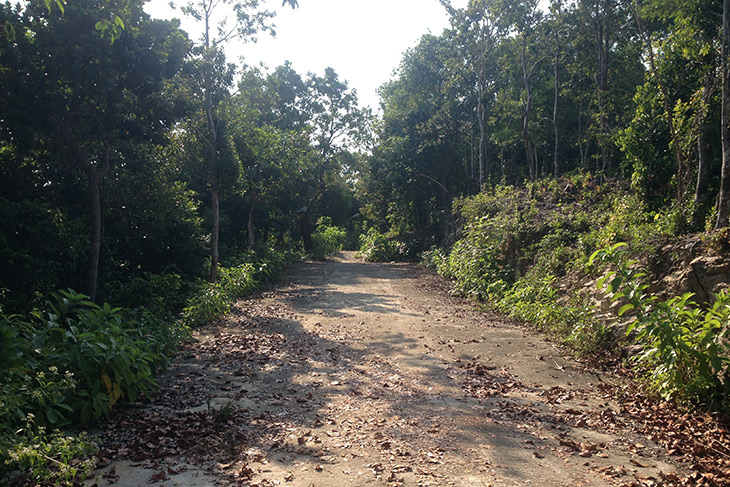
(250, 226)
(212, 174)
(704, 154)
(482, 134)
(580, 136)
(603, 47)
(94, 175)
(305, 226)
(723, 205)
(473, 156)
(214, 235)
(556, 132)
(92, 274)
(501, 163)
(526, 108)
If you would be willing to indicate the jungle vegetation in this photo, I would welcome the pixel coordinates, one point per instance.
(143, 169)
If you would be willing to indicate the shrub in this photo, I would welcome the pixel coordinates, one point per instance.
(685, 348)
(70, 362)
(376, 247)
(109, 353)
(328, 239)
(213, 301)
(54, 457)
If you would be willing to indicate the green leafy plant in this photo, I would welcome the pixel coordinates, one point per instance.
(327, 238)
(684, 347)
(50, 458)
(213, 300)
(376, 247)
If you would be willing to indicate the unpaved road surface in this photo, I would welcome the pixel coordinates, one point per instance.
(354, 374)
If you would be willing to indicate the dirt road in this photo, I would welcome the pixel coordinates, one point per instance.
(356, 374)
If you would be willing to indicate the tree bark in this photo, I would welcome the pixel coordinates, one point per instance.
(94, 175)
(703, 156)
(482, 134)
(212, 168)
(305, 226)
(250, 226)
(723, 205)
(603, 45)
(526, 108)
(556, 132)
(92, 274)
(215, 231)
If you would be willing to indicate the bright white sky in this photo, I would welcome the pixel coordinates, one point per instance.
(363, 40)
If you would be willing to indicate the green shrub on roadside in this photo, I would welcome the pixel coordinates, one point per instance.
(69, 362)
(685, 348)
(376, 247)
(75, 359)
(328, 239)
(213, 300)
(56, 457)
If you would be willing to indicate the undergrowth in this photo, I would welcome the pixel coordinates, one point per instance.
(71, 361)
(516, 246)
(685, 348)
(527, 251)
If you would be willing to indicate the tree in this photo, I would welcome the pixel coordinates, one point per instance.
(606, 24)
(336, 124)
(239, 21)
(476, 32)
(90, 91)
(723, 206)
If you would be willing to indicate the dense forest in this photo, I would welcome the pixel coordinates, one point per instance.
(142, 168)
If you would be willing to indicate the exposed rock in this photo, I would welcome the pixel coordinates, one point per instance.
(697, 272)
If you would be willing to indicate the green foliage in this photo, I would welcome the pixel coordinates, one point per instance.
(622, 218)
(516, 244)
(376, 247)
(684, 346)
(213, 300)
(68, 362)
(536, 300)
(328, 239)
(55, 458)
(79, 359)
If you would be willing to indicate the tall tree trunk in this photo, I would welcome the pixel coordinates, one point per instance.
(214, 234)
(482, 134)
(305, 227)
(603, 47)
(213, 179)
(723, 205)
(556, 97)
(472, 155)
(92, 273)
(250, 226)
(94, 175)
(502, 167)
(583, 148)
(703, 155)
(526, 108)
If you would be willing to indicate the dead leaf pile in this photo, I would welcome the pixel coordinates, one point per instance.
(480, 381)
(700, 440)
(197, 437)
